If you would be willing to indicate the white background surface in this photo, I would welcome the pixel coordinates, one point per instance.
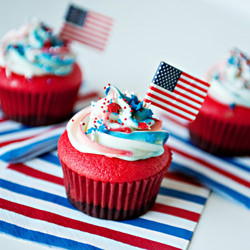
(191, 35)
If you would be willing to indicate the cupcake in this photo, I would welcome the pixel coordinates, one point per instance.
(114, 157)
(39, 78)
(222, 126)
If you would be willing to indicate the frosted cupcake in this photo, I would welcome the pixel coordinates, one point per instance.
(39, 78)
(114, 157)
(223, 125)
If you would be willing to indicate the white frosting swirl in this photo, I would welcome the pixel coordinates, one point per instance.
(117, 126)
(231, 80)
(34, 50)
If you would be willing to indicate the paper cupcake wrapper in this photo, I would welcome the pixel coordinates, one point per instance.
(36, 109)
(220, 137)
(114, 201)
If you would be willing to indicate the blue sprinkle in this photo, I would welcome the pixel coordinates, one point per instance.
(107, 90)
(232, 105)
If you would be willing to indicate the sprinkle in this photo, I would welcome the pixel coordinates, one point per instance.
(72, 120)
(149, 123)
(102, 107)
(104, 103)
(105, 87)
(100, 98)
(125, 107)
(122, 124)
(125, 119)
(83, 123)
(131, 111)
(104, 111)
(95, 118)
(108, 84)
(232, 105)
(94, 121)
(111, 121)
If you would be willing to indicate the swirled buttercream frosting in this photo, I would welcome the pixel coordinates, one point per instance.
(118, 125)
(231, 80)
(35, 50)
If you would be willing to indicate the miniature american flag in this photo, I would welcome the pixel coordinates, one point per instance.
(87, 27)
(176, 92)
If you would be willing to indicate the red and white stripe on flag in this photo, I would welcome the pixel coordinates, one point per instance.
(184, 101)
(93, 32)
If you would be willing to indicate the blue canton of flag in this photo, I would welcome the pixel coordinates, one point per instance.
(87, 27)
(176, 92)
(76, 16)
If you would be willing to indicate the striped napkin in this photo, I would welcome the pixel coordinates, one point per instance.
(33, 207)
(229, 177)
(19, 143)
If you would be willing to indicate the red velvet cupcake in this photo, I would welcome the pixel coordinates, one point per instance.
(222, 126)
(39, 79)
(114, 158)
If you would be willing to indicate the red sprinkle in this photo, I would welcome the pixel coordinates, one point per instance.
(94, 121)
(72, 120)
(122, 124)
(108, 84)
(104, 87)
(95, 118)
(111, 121)
(125, 107)
(83, 123)
(131, 111)
(104, 111)
(100, 98)
(149, 123)
(102, 107)
(125, 119)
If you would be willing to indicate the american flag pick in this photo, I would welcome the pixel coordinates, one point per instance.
(176, 92)
(87, 27)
